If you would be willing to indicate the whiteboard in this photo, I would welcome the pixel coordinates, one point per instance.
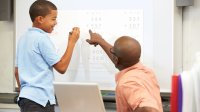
(141, 19)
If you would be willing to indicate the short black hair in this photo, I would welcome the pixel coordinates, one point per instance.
(41, 8)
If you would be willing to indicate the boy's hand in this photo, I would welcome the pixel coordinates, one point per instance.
(95, 38)
(74, 35)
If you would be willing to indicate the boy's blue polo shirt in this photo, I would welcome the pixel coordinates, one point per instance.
(35, 57)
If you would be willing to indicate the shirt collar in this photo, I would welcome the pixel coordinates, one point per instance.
(36, 29)
(121, 73)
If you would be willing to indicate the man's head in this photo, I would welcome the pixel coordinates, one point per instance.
(126, 52)
(43, 14)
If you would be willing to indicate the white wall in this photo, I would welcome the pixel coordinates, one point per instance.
(178, 43)
(191, 34)
(6, 57)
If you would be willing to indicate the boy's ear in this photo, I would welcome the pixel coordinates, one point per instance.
(39, 19)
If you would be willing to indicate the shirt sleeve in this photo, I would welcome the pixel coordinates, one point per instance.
(137, 96)
(48, 51)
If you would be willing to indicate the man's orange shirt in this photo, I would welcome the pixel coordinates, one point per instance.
(137, 87)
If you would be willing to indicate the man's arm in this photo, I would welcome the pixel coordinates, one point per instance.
(17, 78)
(145, 109)
(96, 39)
(63, 64)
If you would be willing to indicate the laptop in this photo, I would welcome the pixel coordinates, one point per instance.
(78, 97)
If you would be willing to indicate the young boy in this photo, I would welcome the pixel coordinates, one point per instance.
(36, 57)
(137, 88)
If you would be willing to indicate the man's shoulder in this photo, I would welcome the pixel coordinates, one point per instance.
(137, 76)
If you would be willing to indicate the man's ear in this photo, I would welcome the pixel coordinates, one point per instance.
(116, 60)
(118, 64)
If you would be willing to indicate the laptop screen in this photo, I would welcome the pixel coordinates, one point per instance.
(79, 97)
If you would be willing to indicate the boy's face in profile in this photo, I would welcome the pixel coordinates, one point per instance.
(49, 21)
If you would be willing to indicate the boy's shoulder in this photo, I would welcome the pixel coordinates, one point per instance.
(36, 31)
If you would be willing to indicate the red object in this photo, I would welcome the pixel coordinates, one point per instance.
(174, 94)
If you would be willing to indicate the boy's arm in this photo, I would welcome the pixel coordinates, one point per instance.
(17, 78)
(96, 39)
(63, 64)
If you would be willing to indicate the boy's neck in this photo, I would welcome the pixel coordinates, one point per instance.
(36, 25)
